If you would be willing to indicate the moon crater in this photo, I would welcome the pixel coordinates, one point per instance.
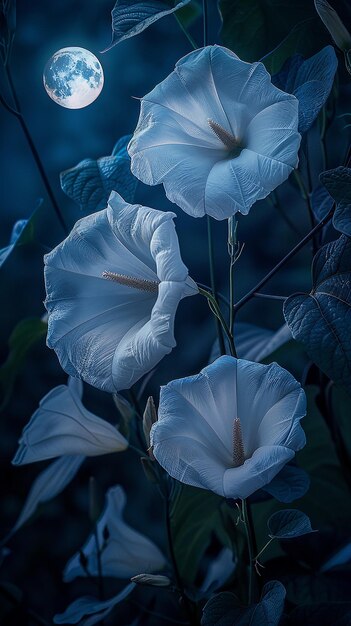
(73, 77)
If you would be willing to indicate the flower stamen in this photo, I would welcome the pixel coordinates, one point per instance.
(238, 444)
(229, 140)
(129, 281)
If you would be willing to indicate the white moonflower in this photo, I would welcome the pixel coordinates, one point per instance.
(231, 428)
(113, 287)
(125, 552)
(216, 133)
(63, 426)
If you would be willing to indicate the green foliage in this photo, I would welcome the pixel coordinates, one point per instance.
(7, 28)
(288, 524)
(310, 82)
(327, 503)
(131, 17)
(321, 320)
(223, 609)
(195, 516)
(252, 28)
(24, 336)
(338, 184)
(90, 182)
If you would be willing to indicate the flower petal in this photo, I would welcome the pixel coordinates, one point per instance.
(194, 437)
(63, 426)
(111, 332)
(212, 88)
(264, 464)
(270, 415)
(127, 552)
(273, 132)
(87, 605)
(48, 484)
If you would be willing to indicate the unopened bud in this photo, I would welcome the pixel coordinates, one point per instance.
(153, 580)
(149, 418)
(333, 23)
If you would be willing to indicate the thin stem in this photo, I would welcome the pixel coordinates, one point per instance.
(188, 36)
(179, 582)
(220, 296)
(213, 304)
(284, 260)
(205, 21)
(264, 547)
(232, 226)
(306, 197)
(213, 282)
(248, 530)
(270, 296)
(17, 113)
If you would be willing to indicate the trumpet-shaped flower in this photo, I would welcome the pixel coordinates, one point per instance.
(63, 426)
(125, 552)
(113, 287)
(231, 428)
(216, 133)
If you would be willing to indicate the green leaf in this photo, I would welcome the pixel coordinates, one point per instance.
(24, 336)
(7, 28)
(131, 17)
(338, 184)
(327, 502)
(90, 182)
(321, 319)
(195, 516)
(189, 13)
(252, 28)
(306, 38)
(223, 608)
(310, 81)
(288, 524)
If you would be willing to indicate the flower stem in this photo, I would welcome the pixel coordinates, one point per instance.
(213, 284)
(213, 304)
(264, 547)
(188, 36)
(187, 603)
(17, 113)
(284, 260)
(205, 22)
(249, 537)
(232, 226)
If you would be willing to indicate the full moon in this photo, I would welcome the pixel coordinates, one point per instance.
(73, 77)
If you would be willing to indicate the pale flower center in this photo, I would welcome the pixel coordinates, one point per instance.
(231, 142)
(129, 281)
(238, 444)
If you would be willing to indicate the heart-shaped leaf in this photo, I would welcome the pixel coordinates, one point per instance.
(224, 610)
(321, 319)
(288, 524)
(310, 81)
(90, 182)
(291, 483)
(338, 183)
(131, 17)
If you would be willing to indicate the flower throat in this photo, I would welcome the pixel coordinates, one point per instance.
(227, 139)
